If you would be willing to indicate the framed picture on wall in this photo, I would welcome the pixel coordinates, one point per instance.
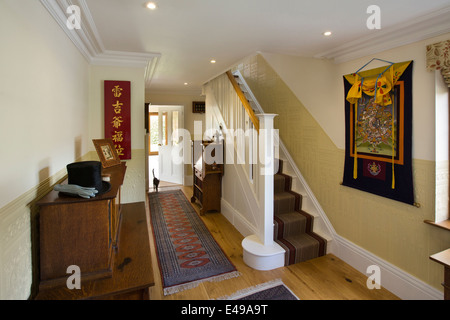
(198, 107)
(106, 152)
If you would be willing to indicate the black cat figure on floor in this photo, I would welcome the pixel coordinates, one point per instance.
(155, 181)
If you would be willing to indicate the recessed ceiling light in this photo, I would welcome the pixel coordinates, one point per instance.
(327, 33)
(185, 83)
(213, 61)
(151, 5)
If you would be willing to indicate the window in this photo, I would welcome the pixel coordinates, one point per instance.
(154, 136)
(442, 182)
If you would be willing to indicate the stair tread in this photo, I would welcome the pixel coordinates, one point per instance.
(283, 202)
(299, 248)
(292, 214)
(289, 223)
(302, 239)
(283, 194)
(291, 217)
(279, 183)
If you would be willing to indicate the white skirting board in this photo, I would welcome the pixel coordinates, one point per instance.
(397, 281)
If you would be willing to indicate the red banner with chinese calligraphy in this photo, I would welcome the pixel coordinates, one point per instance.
(118, 116)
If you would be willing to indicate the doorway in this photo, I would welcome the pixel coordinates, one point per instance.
(163, 122)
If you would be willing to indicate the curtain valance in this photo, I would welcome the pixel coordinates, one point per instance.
(438, 58)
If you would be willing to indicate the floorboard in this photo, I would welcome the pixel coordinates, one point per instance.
(324, 278)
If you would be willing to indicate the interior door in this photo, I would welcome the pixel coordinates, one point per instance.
(170, 168)
(153, 137)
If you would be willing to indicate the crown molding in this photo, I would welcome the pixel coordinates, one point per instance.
(195, 93)
(89, 43)
(421, 28)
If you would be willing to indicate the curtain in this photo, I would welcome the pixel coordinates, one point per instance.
(438, 58)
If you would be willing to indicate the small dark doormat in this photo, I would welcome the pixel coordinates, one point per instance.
(273, 290)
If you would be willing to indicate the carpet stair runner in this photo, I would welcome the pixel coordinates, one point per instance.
(293, 226)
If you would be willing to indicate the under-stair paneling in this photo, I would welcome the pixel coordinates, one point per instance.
(390, 230)
(235, 205)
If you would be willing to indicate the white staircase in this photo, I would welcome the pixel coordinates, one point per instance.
(322, 225)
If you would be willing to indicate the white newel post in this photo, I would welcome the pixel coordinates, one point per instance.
(266, 172)
(261, 252)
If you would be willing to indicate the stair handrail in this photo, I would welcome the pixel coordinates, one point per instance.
(244, 101)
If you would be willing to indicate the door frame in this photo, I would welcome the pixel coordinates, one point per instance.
(149, 108)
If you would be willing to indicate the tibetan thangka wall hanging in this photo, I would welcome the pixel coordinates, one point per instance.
(118, 116)
(378, 120)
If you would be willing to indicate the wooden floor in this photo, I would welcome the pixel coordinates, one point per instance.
(324, 278)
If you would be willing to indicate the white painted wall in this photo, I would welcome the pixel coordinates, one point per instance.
(44, 98)
(51, 109)
(43, 125)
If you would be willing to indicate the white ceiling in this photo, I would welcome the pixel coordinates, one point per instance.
(186, 35)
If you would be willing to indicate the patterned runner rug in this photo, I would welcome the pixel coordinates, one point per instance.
(187, 252)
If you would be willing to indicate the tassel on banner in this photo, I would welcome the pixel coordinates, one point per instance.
(393, 150)
(355, 164)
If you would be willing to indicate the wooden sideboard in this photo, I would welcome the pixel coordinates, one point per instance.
(444, 259)
(207, 175)
(108, 241)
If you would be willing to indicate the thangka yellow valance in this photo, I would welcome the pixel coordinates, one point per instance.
(376, 83)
